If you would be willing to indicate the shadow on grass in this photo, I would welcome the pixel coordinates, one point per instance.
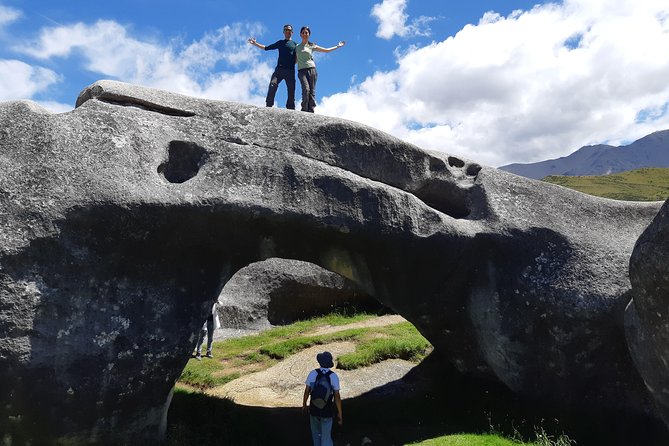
(406, 411)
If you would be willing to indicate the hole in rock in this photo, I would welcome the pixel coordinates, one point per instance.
(473, 170)
(184, 160)
(445, 197)
(455, 162)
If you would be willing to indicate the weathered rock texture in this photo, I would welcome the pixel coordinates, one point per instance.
(647, 316)
(281, 291)
(122, 220)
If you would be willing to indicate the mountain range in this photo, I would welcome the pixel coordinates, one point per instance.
(650, 151)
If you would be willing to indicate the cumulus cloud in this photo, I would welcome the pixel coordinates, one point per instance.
(529, 86)
(18, 80)
(106, 48)
(392, 18)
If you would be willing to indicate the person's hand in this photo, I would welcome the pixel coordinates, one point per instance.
(252, 40)
(341, 43)
(340, 420)
(305, 408)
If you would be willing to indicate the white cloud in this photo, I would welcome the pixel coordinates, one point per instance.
(106, 48)
(391, 17)
(392, 20)
(18, 80)
(8, 15)
(55, 107)
(526, 87)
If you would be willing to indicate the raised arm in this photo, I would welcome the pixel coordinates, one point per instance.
(252, 41)
(327, 50)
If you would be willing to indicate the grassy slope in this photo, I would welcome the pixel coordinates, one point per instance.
(647, 184)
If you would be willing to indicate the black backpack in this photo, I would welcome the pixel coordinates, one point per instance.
(322, 395)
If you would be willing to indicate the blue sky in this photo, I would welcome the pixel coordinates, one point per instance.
(494, 81)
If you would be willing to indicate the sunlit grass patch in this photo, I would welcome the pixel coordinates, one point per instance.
(236, 357)
(471, 440)
(263, 349)
(400, 341)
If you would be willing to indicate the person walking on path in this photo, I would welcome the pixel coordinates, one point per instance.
(306, 67)
(212, 323)
(322, 392)
(285, 66)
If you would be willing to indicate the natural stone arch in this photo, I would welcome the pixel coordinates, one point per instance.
(510, 279)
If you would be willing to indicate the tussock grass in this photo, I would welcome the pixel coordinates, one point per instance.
(647, 184)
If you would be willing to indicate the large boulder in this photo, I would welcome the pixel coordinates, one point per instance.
(123, 220)
(281, 291)
(647, 316)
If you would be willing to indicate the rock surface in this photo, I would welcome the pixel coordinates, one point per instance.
(281, 291)
(122, 221)
(647, 316)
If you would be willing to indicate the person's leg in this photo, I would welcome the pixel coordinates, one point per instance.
(312, 89)
(326, 431)
(303, 76)
(210, 337)
(290, 85)
(271, 90)
(315, 423)
(198, 348)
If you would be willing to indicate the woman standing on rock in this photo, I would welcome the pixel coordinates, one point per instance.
(306, 67)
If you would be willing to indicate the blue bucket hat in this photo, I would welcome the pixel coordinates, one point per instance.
(325, 360)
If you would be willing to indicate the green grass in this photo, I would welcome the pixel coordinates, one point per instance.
(647, 184)
(261, 351)
(401, 341)
(470, 440)
(496, 440)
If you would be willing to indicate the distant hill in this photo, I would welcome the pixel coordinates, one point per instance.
(649, 184)
(649, 151)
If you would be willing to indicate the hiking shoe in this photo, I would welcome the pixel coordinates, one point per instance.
(209, 355)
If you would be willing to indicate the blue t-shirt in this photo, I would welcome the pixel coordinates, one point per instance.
(286, 53)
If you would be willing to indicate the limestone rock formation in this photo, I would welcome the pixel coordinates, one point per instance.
(280, 291)
(647, 316)
(122, 221)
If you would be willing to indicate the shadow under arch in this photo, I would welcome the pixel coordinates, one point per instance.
(428, 402)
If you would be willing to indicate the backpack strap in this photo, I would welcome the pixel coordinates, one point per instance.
(320, 373)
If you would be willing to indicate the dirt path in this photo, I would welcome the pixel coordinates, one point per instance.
(282, 385)
(380, 321)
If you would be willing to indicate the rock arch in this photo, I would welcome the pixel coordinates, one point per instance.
(108, 266)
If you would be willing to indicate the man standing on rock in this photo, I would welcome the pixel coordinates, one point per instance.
(285, 66)
(322, 385)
